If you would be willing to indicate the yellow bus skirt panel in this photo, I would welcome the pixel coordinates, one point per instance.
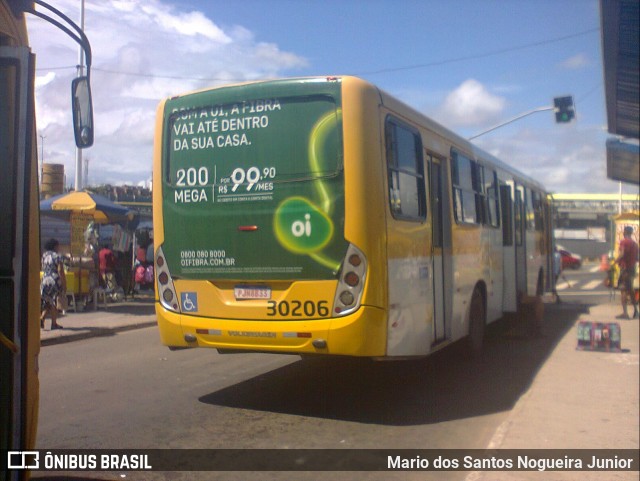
(362, 333)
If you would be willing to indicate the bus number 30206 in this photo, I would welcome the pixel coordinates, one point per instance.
(298, 308)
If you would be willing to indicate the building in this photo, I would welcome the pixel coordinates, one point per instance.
(583, 221)
(620, 22)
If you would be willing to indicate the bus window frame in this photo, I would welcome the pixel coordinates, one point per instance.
(394, 168)
(520, 214)
(458, 189)
(538, 210)
(479, 173)
(507, 214)
(490, 179)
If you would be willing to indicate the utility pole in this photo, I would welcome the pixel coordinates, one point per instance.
(42, 137)
(78, 182)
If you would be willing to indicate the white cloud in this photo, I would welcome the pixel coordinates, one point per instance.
(567, 159)
(185, 24)
(471, 105)
(576, 62)
(143, 51)
(45, 79)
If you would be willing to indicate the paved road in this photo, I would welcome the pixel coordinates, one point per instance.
(586, 285)
(128, 391)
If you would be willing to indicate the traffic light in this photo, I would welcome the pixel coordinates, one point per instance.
(563, 107)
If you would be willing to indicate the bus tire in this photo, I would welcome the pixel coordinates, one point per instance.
(477, 323)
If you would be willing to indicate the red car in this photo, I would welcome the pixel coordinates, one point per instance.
(569, 259)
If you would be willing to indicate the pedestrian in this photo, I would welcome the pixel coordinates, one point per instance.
(107, 265)
(149, 257)
(53, 283)
(627, 258)
(557, 270)
(141, 255)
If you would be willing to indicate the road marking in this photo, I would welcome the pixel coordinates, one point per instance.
(474, 476)
(626, 358)
(494, 443)
(592, 285)
(585, 293)
(594, 269)
(498, 436)
(589, 286)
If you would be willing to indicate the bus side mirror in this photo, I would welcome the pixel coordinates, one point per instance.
(82, 112)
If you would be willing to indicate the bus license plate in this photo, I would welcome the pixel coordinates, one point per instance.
(251, 292)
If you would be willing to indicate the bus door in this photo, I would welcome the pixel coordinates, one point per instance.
(509, 296)
(548, 241)
(520, 241)
(440, 250)
(19, 342)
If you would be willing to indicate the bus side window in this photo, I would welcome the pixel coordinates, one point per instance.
(518, 215)
(464, 176)
(507, 215)
(530, 209)
(407, 195)
(538, 211)
(492, 214)
(478, 186)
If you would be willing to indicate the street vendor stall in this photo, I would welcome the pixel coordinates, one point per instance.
(84, 210)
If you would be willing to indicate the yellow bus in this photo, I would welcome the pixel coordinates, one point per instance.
(321, 216)
(20, 224)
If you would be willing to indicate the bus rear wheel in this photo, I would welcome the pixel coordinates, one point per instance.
(477, 322)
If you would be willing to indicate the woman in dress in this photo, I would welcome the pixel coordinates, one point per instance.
(53, 284)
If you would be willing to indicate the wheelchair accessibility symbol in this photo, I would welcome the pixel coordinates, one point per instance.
(189, 301)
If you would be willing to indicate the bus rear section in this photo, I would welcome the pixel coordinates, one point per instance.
(249, 215)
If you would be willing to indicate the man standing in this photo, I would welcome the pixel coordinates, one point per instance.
(557, 270)
(627, 261)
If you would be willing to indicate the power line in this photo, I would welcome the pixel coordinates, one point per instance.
(143, 75)
(482, 55)
(170, 77)
(590, 92)
(57, 68)
(371, 72)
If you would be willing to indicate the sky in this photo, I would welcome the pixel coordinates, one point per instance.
(468, 64)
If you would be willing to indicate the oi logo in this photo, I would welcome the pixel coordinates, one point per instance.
(301, 227)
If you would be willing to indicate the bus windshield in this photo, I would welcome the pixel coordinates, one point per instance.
(253, 183)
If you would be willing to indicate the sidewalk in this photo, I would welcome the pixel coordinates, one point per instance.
(113, 317)
(578, 400)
